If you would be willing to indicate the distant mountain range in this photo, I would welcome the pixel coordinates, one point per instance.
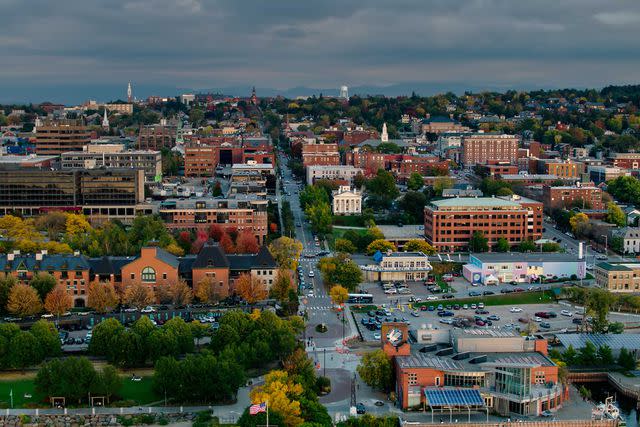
(72, 94)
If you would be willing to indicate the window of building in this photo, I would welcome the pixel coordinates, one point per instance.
(164, 276)
(413, 378)
(438, 381)
(148, 274)
(133, 276)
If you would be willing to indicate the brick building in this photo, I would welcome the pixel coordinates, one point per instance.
(440, 124)
(450, 223)
(626, 160)
(402, 165)
(320, 153)
(566, 197)
(240, 213)
(201, 159)
(481, 148)
(54, 137)
(155, 137)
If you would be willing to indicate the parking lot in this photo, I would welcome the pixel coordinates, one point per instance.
(402, 302)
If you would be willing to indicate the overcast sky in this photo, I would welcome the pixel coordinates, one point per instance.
(319, 43)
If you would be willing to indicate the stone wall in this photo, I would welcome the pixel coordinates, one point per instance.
(87, 420)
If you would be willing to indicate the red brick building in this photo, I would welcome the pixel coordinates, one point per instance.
(566, 197)
(403, 165)
(626, 160)
(482, 148)
(320, 154)
(201, 159)
(450, 223)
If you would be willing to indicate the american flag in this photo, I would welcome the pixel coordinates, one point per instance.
(257, 408)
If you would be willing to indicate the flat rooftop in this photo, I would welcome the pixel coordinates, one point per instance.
(619, 266)
(394, 232)
(480, 202)
(527, 257)
(25, 159)
(614, 341)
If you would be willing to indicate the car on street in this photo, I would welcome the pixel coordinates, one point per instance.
(566, 313)
(576, 321)
(376, 336)
(545, 325)
(488, 293)
(474, 294)
(446, 321)
(493, 317)
(601, 257)
(447, 296)
(431, 298)
(415, 313)
(447, 277)
(311, 273)
(515, 310)
(506, 291)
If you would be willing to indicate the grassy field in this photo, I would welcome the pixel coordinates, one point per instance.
(506, 299)
(339, 232)
(138, 391)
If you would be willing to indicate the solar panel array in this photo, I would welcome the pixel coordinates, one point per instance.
(614, 341)
(453, 397)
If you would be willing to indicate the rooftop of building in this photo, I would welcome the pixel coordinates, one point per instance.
(479, 202)
(412, 231)
(255, 166)
(525, 177)
(474, 361)
(529, 257)
(614, 341)
(31, 158)
(332, 167)
(618, 266)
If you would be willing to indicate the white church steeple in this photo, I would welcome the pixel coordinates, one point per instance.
(105, 120)
(385, 136)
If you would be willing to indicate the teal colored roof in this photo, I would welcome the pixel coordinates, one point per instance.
(613, 267)
(480, 202)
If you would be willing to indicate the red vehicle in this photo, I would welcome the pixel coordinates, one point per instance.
(543, 314)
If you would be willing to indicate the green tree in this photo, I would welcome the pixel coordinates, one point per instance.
(551, 247)
(376, 371)
(6, 284)
(442, 183)
(580, 225)
(415, 181)
(604, 355)
(103, 335)
(43, 283)
(183, 333)
(286, 251)
(383, 185)
(570, 356)
(527, 246)
(344, 245)
(47, 337)
(615, 215)
(478, 243)
(587, 355)
(502, 245)
(616, 328)
(412, 204)
(25, 350)
(311, 195)
(340, 270)
(108, 382)
(627, 360)
(321, 218)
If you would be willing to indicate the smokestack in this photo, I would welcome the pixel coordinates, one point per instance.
(581, 250)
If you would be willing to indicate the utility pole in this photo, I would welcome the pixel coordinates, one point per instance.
(353, 390)
(324, 374)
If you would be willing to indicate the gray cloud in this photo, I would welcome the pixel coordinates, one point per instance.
(319, 43)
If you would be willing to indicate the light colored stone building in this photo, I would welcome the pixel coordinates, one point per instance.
(331, 172)
(397, 266)
(346, 201)
(618, 277)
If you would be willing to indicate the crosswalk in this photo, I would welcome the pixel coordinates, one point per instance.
(321, 308)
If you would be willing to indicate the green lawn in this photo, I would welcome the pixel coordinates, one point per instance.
(138, 391)
(20, 388)
(337, 233)
(500, 299)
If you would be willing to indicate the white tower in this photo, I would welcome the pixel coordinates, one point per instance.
(105, 120)
(129, 93)
(385, 136)
(344, 92)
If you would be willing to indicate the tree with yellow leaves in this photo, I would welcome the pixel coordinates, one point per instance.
(181, 294)
(339, 294)
(207, 291)
(251, 289)
(282, 393)
(102, 296)
(24, 301)
(76, 224)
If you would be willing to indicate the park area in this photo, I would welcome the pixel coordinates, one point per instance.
(24, 392)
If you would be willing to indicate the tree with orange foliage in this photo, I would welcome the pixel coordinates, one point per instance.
(247, 243)
(206, 291)
(58, 301)
(102, 297)
(138, 296)
(181, 294)
(216, 232)
(227, 244)
(251, 289)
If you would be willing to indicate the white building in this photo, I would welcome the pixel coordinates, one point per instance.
(342, 172)
(346, 201)
(630, 239)
(397, 266)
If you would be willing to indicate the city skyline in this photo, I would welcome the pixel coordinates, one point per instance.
(434, 47)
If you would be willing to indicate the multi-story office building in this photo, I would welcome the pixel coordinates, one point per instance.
(569, 196)
(240, 213)
(54, 137)
(481, 148)
(201, 160)
(618, 276)
(155, 137)
(114, 156)
(320, 153)
(599, 174)
(450, 223)
(562, 169)
(332, 172)
(440, 124)
(99, 194)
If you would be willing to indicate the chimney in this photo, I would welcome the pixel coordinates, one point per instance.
(76, 253)
(16, 252)
(39, 256)
(44, 252)
(10, 257)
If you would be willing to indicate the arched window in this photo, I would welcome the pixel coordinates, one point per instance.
(148, 274)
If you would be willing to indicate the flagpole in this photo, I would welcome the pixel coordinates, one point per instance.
(267, 412)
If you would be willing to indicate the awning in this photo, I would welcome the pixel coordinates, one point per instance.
(453, 397)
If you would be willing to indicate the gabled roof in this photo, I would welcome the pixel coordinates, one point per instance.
(55, 262)
(108, 264)
(264, 258)
(211, 256)
(167, 258)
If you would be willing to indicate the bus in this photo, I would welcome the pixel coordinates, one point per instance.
(360, 299)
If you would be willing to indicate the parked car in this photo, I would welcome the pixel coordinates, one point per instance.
(447, 296)
(576, 321)
(523, 320)
(566, 313)
(488, 293)
(474, 294)
(148, 309)
(447, 277)
(542, 314)
(493, 317)
(545, 325)
(515, 310)
(360, 409)
(481, 311)
(537, 319)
